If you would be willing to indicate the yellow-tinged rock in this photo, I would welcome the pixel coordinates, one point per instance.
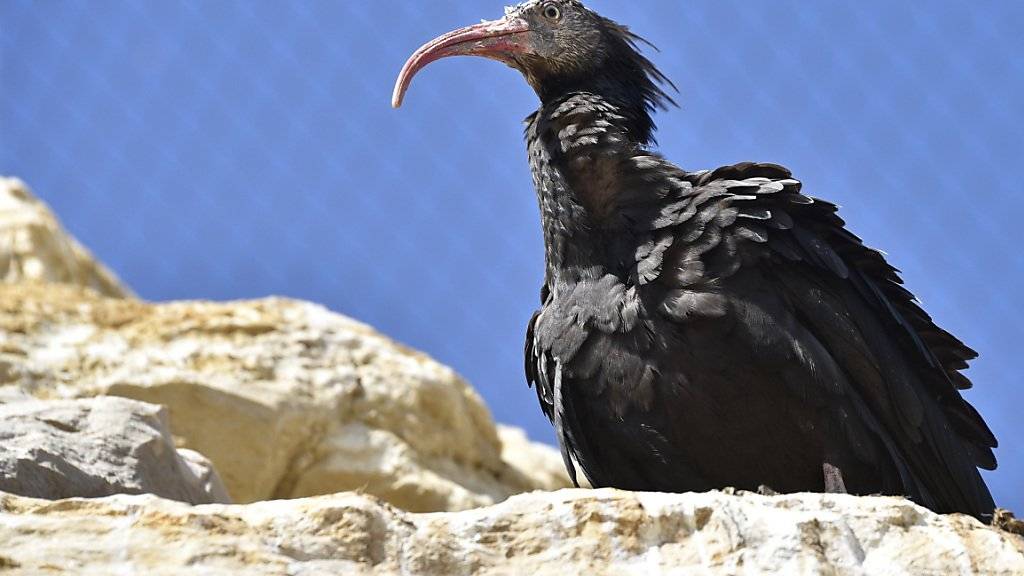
(285, 398)
(559, 533)
(35, 248)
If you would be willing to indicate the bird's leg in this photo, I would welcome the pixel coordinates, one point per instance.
(833, 479)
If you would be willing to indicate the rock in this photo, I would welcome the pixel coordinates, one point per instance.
(98, 447)
(286, 398)
(567, 532)
(35, 248)
(9, 394)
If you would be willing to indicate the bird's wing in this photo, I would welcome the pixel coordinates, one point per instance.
(904, 371)
(543, 373)
(536, 375)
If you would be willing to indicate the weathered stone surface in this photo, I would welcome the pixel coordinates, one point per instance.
(35, 248)
(568, 532)
(98, 447)
(286, 398)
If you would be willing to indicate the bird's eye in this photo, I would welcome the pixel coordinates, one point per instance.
(551, 12)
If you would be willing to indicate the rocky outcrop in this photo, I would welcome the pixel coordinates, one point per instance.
(35, 248)
(568, 532)
(289, 400)
(98, 447)
(285, 398)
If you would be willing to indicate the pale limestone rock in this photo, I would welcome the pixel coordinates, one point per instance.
(35, 248)
(98, 447)
(286, 398)
(567, 532)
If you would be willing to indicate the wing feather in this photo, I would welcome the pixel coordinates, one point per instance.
(904, 370)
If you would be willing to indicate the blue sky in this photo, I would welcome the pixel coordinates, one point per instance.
(237, 149)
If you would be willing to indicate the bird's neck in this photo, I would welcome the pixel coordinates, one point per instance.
(574, 146)
(627, 98)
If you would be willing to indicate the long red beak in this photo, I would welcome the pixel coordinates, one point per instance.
(496, 39)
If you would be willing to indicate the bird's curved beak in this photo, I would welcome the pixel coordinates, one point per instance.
(495, 39)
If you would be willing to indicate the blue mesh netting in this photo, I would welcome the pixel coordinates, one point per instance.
(234, 149)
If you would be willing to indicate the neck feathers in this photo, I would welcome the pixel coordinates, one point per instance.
(576, 145)
(623, 78)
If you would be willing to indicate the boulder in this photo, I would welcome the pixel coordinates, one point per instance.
(98, 447)
(551, 533)
(35, 248)
(285, 398)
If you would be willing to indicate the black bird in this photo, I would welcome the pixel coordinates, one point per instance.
(708, 329)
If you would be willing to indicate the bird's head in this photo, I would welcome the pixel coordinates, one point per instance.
(559, 46)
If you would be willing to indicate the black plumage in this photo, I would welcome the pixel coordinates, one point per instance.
(699, 330)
